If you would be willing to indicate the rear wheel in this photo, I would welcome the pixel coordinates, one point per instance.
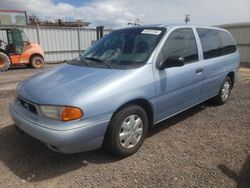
(224, 92)
(37, 62)
(4, 62)
(127, 131)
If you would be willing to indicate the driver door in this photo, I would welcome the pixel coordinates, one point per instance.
(178, 88)
(15, 45)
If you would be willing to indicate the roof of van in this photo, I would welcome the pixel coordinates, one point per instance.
(176, 25)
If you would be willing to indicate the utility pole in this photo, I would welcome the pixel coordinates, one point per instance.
(187, 18)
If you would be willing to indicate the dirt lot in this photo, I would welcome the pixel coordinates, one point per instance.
(206, 146)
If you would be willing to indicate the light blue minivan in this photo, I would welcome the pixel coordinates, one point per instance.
(124, 84)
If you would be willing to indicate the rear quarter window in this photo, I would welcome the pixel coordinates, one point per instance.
(227, 42)
(215, 43)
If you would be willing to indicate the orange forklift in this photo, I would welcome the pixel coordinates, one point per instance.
(15, 49)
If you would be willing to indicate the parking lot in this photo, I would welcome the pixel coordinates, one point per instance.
(205, 146)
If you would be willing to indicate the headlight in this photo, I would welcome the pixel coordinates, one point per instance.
(63, 113)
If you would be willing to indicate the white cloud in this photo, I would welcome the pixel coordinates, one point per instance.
(116, 13)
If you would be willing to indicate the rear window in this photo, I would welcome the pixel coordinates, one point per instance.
(215, 43)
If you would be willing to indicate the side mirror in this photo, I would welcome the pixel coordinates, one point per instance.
(173, 61)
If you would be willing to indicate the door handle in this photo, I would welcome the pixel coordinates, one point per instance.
(199, 70)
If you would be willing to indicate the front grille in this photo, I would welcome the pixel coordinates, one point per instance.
(27, 105)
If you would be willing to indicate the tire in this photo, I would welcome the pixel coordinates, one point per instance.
(4, 62)
(125, 136)
(224, 92)
(37, 62)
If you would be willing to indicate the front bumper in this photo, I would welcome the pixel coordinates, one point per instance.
(75, 140)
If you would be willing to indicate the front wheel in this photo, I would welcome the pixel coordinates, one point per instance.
(224, 92)
(37, 62)
(127, 131)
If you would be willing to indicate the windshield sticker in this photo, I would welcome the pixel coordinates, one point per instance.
(151, 31)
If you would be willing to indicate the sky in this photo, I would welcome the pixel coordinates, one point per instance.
(117, 13)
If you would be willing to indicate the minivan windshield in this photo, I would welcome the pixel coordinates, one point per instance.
(123, 49)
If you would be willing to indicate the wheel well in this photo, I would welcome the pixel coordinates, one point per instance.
(143, 103)
(33, 55)
(231, 76)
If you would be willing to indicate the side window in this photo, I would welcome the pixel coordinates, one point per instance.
(215, 43)
(17, 40)
(228, 43)
(181, 43)
(211, 43)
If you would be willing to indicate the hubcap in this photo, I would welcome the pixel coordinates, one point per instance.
(225, 91)
(38, 62)
(131, 131)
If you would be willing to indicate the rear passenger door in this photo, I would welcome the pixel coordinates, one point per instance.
(178, 88)
(217, 45)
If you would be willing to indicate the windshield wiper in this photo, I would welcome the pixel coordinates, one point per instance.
(82, 61)
(99, 60)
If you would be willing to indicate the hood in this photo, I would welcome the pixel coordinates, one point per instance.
(32, 48)
(60, 86)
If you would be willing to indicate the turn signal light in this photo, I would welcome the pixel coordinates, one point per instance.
(71, 113)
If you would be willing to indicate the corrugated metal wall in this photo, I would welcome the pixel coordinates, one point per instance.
(241, 33)
(60, 43)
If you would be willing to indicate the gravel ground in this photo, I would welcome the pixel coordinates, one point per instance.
(205, 146)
